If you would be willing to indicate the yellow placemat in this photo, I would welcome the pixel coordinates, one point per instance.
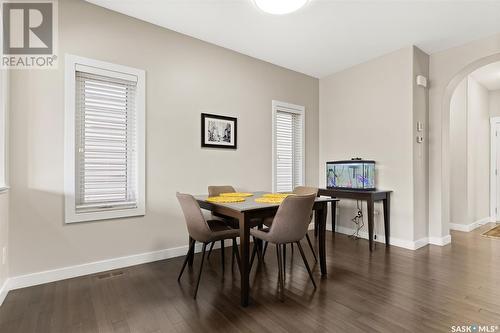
(236, 194)
(277, 195)
(225, 199)
(270, 200)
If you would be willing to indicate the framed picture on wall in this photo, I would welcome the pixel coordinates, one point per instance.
(218, 131)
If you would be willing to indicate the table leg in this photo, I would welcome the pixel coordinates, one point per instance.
(244, 256)
(321, 214)
(191, 256)
(334, 216)
(371, 213)
(387, 218)
(316, 224)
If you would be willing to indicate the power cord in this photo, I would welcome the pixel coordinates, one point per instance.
(358, 220)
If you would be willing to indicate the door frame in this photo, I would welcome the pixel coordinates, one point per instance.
(494, 121)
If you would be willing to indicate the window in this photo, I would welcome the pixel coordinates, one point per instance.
(4, 93)
(288, 146)
(105, 140)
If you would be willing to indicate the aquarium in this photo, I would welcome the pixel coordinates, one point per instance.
(352, 174)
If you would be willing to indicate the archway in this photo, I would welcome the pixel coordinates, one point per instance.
(445, 133)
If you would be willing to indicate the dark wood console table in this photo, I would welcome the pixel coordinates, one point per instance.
(370, 197)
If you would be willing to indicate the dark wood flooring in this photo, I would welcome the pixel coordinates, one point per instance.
(394, 290)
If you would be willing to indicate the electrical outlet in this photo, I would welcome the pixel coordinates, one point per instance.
(4, 255)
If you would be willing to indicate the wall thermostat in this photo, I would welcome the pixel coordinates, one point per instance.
(421, 81)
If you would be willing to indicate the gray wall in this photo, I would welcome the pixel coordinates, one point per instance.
(478, 153)
(185, 77)
(4, 229)
(494, 103)
(470, 153)
(458, 153)
(420, 65)
(366, 111)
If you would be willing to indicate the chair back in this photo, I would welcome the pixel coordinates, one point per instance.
(305, 190)
(292, 219)
(214, 191)
(197, 226)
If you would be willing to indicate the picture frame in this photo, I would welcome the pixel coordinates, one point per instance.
(218, 131)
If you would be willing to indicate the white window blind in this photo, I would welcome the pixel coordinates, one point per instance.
(106, 143)
(289, 150)
(105, 140)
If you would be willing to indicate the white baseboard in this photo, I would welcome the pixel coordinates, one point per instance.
(472, 226)
(441, 241)
(4, 290)
(33, 279)
(410, 245)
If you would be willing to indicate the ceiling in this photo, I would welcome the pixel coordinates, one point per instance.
(326, 36)
(488, 76)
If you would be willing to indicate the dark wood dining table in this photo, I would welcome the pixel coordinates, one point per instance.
(248, 213)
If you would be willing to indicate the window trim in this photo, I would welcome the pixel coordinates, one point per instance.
(71, 216)
(4, 107)
(291, 108)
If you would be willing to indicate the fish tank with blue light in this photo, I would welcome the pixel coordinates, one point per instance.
(353, 174)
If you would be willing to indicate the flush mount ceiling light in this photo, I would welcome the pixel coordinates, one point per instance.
(280, 7)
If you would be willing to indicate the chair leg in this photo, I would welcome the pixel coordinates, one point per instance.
(265, 249)
(306, 264)
(222, 256)
(312, 247)
(188, 256)
(210, 250)
(280, 274)
(254, 252)
(236, 253)
(259, 251)
(232, 259)
(284, 262)
(201, 269)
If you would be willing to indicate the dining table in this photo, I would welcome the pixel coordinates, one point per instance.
(250, 214)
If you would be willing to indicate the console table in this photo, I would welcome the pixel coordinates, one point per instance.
(370, 197)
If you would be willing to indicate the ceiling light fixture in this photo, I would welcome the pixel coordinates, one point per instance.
(280, 7)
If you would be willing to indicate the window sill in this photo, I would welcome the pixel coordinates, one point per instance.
(103, 215)
(4, 188)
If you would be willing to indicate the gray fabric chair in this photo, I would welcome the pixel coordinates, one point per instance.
(299, 190)
(214, 191)
(289, 226)
(203, 231)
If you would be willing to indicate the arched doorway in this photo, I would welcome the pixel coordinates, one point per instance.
(445, 133)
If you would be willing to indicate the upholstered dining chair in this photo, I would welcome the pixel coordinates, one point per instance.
(299, 190)
(289, 226)
(203, 231)
(213, 191)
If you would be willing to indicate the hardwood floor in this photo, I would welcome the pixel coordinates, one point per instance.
(397, 290)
